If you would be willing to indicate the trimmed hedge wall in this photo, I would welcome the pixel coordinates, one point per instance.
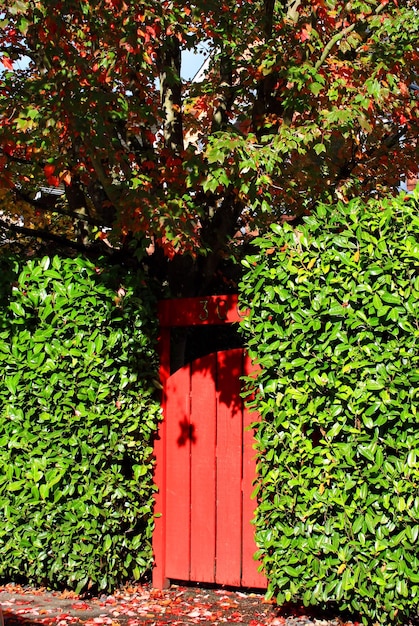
(334, 325)
(78, 414)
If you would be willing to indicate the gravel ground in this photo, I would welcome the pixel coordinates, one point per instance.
(140, 605)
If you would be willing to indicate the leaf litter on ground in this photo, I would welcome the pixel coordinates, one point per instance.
(141, 605)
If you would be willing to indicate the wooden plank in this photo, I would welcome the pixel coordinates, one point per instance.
(229, 468)
(178, 488)
(251, 577)
(203, 425)
(159, 535)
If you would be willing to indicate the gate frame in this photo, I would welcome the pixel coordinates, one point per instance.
(182, 312)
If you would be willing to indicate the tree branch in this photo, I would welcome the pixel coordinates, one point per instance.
(340, 35)
(16, 50)
(268, 6)
(44, 235)
(38, 204)
(15, 159)
(225, 92)
(216, 234)
(265, 102)
(171, 95)
(108, 187)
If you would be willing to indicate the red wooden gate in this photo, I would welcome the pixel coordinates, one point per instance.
(205, 464)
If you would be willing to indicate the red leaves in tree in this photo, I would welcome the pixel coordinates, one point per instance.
(52, 179)
(305, 110)
(7, 62)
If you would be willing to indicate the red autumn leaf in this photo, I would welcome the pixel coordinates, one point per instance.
(49, 169)
(52, 179)
(80, 606)
(7, 62)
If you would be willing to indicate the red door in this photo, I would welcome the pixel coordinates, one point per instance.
(205, 531)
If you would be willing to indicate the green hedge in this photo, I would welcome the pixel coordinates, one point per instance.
(78, 413)
(334, 324)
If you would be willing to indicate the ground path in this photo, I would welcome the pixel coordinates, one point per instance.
(140, 605)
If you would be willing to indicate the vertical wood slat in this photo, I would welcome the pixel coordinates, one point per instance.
(229, 455)
(203, 479)
(208, 504)
(251, 577)
(160, 581)
(178, 488)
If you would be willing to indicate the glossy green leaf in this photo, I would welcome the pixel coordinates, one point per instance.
(337, 440)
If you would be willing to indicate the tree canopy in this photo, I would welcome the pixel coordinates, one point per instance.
(104, 146)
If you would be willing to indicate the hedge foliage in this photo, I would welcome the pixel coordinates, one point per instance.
(334, 325)
(78, 415)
